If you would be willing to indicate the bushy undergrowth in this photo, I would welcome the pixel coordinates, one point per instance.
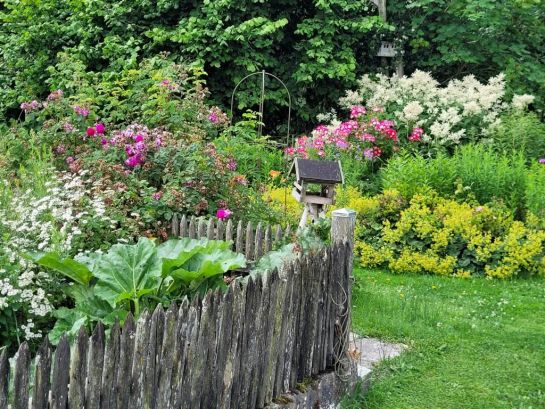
(474, 172)
(434, 235)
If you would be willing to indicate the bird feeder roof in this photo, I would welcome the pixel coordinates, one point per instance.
(326, 172)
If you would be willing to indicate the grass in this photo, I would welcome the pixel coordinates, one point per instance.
(472, 343)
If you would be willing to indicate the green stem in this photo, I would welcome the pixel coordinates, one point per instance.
(136, 308)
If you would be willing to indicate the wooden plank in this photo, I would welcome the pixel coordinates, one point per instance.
(199, 370)
(4, 380)
(249, 250)
(269, 314)
(201, 232)
(141, 340)
(298, 321)
(95, 363)
(229, 231)
(210, 399)
(224, 342)
(78, 371)
(180, 353)
(21, 378)
(151, 374)
(111, 360)
(258, 246)
(192, 333)
(232, 373)
(184, 231)
(278, 234)
(60, 375)
(267, 246)
(220, 231)
(284, 298)
(287, 233)
(193, 227)
(167, 361)
(240, 238)
(210, 229)
(175, 225)
(124, 369)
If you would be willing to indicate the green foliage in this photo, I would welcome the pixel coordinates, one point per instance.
(317, 47)
(522, 132)
(433, 235)
(129, 278)
(535, 190)
(461, 37)
(474, 172)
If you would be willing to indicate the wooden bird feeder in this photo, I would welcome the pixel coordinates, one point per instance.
(314, 185)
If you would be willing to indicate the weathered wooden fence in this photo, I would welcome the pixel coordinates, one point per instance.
(251, 240)
(238, 349)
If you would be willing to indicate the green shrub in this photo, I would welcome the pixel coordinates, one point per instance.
(434, 235)
(535, 189)
(520, 131)
(474, 172)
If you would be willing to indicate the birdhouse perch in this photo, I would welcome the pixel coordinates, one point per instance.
(314, 185)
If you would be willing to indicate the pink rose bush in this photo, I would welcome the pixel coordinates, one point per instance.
(366, 136)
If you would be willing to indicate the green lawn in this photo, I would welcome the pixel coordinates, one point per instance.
(472, 343)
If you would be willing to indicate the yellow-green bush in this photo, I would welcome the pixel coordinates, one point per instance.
(282, 202)
(434, 235)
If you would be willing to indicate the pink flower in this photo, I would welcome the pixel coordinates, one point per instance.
(213, 117)
(91, 131)
(69, 160)
(55, 95)
(369, 153)
(81, 111)
(416, 135)
(232, 164)
(100, 128)
(59, 150)
(68, 127)
(357, 111)
(158, 142)
(133, 161)
(30, 106)
(138, 138)
(104, 142)
(542, 161)
(342, 144)
(223, 214)
(157, 196)
(290, 151)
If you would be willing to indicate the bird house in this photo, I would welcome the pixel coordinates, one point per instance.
(314, 184)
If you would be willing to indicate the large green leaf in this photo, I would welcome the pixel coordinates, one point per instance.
(127, 272)
(202, 265)
(70, 268)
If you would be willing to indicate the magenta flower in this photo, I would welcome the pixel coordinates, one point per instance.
(104, 142)
(69, 160)
(223, 214)
(213, 117)
(542, 161)
(100, 128)
(138, 138)
(369, 153)
(232, 165)
(158, 142)
(133, 161)
(91, 131)
(157, 196)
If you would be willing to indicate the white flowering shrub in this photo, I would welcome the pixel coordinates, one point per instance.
(28, 223)
(462, 111)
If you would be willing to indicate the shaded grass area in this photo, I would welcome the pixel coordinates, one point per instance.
(473, 343)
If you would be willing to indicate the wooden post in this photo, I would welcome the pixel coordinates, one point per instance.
(343, 224)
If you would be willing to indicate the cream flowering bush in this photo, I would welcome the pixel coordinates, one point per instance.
(462, 111)
(30, 222)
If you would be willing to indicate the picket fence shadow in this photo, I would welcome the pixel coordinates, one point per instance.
(236, 349)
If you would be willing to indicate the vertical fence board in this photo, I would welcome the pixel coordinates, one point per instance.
(184, 232)
(95, 362)
(78, 371)
(225, 340)
(249, 245)
(124, 369)
(220, 230)
(267, 245)
(194, 319)
(240, 240)
(193, 228)
(210, 230)
(283, 373)
(167, 360)
(179, 356)
(229, 231)
(175, 225)
(278, 234)
(4, 380)
(42, 380)
(21, 378)
(111, 360)
(152, 355)
(141, 340)
(201, 233)
(60, 375)
(296, 308)
(258, 246)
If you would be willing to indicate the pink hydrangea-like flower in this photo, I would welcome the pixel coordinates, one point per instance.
(157, 196)
(30, 106)
(223, 214)
(133, 161)
(69, 160)
(369, 154)
(100, 128)
(68, 127)
(138, 138)
(232, 164)
(416, 135)
(357, 111)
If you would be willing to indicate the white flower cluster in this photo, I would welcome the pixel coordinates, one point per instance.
(464, 108)
(47, 223)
